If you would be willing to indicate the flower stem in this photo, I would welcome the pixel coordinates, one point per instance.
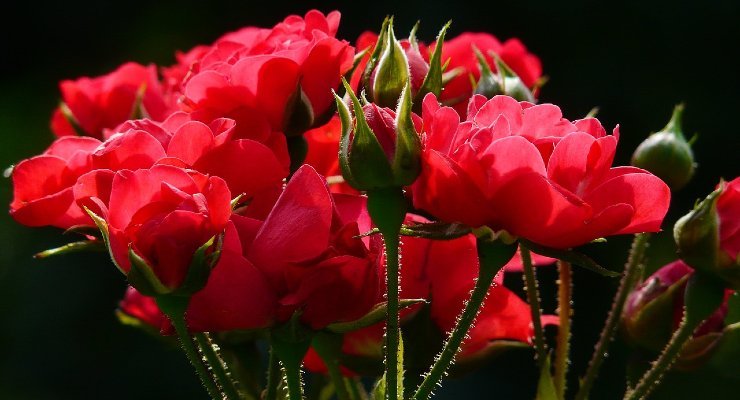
(174, 307)
(220, 370)
(387, 209)
(329, 348)
(702, 297)
(565, 313)
(630, 276)
(292, 374)
(533, 298)
(273, 376)
(465, 321)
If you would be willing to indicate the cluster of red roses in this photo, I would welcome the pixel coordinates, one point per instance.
(184, 171)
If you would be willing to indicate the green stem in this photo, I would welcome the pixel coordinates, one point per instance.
(387, 209)
(630, 276)
(565, 313)
(273, 376)
(218, 366)
(292, 374)
(174, 308)
(533, 298)
(329, 348)
(458, 334)
(702, 297)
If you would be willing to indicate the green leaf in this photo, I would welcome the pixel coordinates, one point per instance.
(379, 389)
(407, 158)
(433, 82)
(374, 316)
(546, 386)
(141, 277)
(570, 256)
(392, 73)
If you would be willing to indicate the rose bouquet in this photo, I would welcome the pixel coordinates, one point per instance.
(354, 211)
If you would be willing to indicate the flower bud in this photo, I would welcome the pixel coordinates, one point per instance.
(504, 81)
(655, 309)
(379, 149)
(707, 238)
(667, 154)
(399, 63)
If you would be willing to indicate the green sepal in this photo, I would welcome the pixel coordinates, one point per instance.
(375, 55)
(299, 116)
(433, 82)
(74, 247)
(412, 36)
(570, 256)
(697, 241)
(142, 277)
(374, 316)
(489, 83)
(651, 326)
(291, 340)
(546, 386)
(201, 265)
(71, 119)
(103, 227)
(138, 111)
(667, 154)
(493, 255)
(344, 141)
(704, 295)
(392, 72)
(236, 201)
(366, 159)
(407, 157)
(511, 83)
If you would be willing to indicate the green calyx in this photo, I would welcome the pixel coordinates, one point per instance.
(392, 73)
(667, 154)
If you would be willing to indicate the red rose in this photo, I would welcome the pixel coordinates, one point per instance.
(728, 211)
(247, 166)
(459, 51)
(42, 185)
(525, 169)
(259, 77)
(163, 215)
(97, 104)
(307, 249)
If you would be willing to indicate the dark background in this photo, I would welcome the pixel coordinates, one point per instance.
(59, 338)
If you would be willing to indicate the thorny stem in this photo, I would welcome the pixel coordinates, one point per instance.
(702, 297)
(174, 308)
(387, 209)
(464, 322)
(329, 348)
(292, 374)
(533, 298)
(565, 313)
(218, 366)
(630, 276)
(273, 377)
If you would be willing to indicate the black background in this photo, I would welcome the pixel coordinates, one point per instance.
(58, 335)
